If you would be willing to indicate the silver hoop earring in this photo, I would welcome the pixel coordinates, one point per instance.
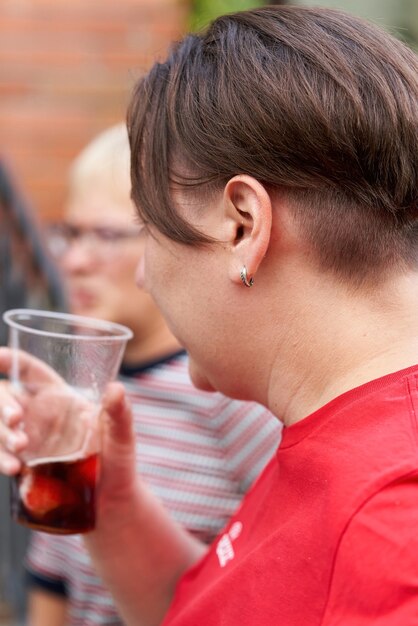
(247, 282)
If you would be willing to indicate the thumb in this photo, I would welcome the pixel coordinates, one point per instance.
(118, 474)
(119, 424)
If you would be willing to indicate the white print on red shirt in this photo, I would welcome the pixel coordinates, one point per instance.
(224, 549)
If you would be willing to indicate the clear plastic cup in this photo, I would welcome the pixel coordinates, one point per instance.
(61, 365)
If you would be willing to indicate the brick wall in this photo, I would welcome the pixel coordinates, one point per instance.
(66, 71)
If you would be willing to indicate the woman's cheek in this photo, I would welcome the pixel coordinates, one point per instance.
(140, 273)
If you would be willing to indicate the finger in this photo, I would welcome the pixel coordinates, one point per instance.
(9, 465)
(12, 440)
(11, 412)
(118, 454)
(117, 407)
(29, 367)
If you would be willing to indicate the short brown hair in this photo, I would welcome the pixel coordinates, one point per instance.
(313, 101)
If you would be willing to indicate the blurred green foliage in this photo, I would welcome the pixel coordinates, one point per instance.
(204, 11)
(399, 16)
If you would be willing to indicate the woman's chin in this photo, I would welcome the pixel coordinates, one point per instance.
(199, 379)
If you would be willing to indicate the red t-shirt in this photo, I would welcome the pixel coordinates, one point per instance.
(329, 534)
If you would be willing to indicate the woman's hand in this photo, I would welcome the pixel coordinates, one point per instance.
(42, 410)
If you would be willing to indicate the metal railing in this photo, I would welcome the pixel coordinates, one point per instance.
(28, 278)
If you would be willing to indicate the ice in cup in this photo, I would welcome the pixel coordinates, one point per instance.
(57, 496)
(61, 365)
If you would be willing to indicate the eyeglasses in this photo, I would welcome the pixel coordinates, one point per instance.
(101, 240)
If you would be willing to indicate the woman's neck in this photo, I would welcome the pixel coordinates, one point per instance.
(351, 341)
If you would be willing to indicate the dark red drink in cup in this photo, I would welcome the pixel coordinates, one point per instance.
(58, 496)
(61, 366)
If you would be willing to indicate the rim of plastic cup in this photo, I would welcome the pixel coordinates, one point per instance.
(119, 331)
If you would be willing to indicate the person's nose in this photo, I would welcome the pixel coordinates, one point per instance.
(77, 258)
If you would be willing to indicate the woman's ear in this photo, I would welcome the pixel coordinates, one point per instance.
(249, 212)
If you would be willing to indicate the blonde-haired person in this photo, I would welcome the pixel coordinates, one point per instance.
(198, 451)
